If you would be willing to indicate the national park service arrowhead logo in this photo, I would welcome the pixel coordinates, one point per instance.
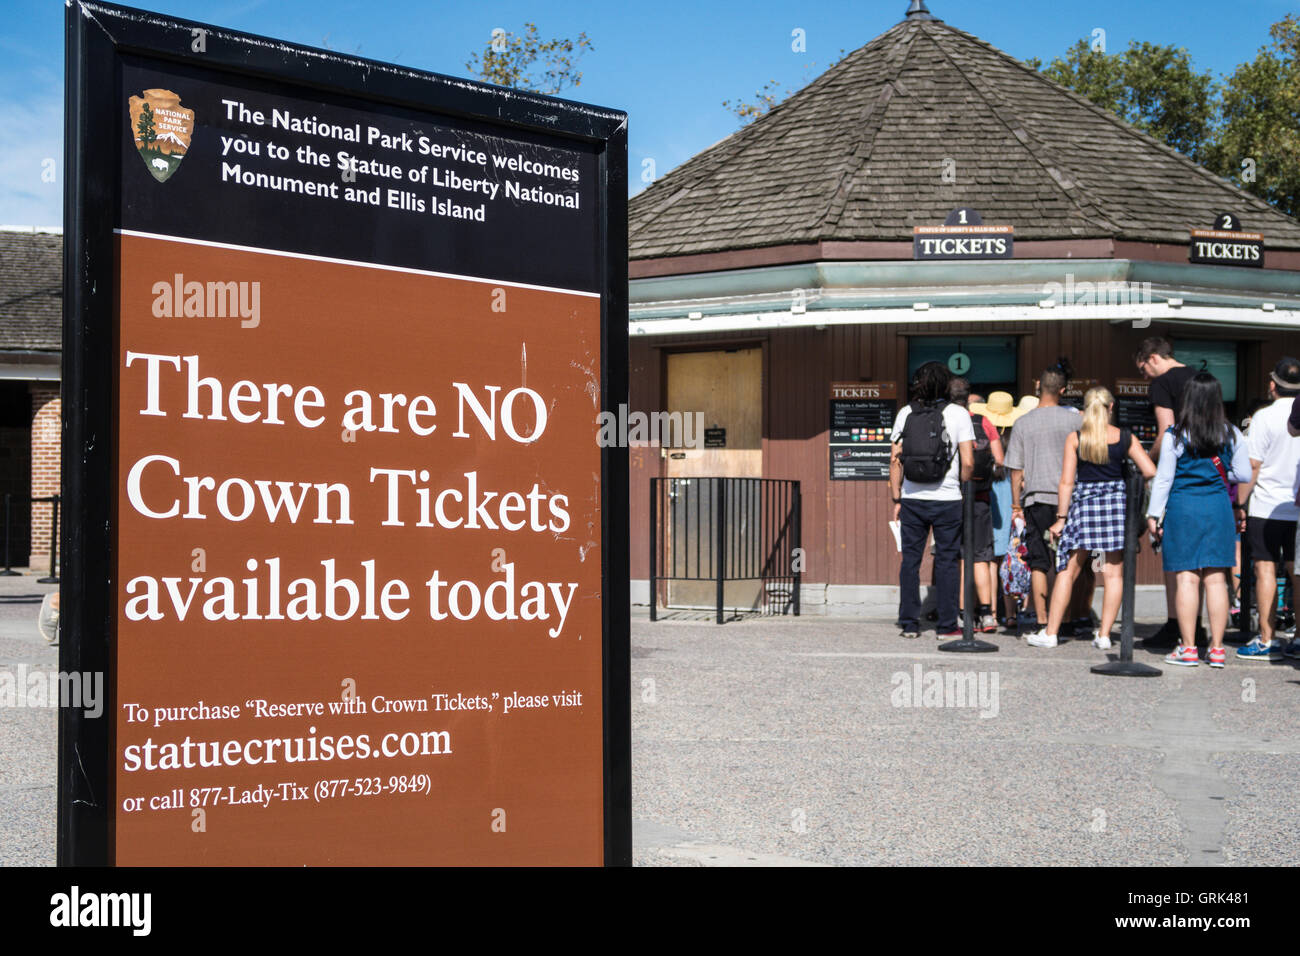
(162, 129)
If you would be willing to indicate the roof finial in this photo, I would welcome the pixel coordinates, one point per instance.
(917, 11)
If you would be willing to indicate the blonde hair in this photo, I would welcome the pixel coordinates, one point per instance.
(1093, 446)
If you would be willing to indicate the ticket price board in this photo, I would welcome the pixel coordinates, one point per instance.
(340, 532)
(1133, 409)
(862, 418)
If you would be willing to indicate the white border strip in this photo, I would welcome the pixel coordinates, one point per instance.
(350, 262)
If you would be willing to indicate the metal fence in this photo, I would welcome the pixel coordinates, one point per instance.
(725, 543)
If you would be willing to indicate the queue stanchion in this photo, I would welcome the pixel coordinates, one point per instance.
(8, 572)
(968, 644)
(53, 576)
(1246, 592)
(1125, 666)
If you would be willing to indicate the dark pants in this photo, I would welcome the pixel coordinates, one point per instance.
(917, 519)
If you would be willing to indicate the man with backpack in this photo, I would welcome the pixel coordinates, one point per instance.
(932, 454)
(987, 459)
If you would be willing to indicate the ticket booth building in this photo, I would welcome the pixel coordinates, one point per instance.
(786, 262)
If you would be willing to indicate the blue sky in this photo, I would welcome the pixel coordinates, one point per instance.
(669, 63)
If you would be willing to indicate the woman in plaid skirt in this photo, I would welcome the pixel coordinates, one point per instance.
(1092, 481)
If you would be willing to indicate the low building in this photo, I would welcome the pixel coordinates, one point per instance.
(31, 324)
(928, 197)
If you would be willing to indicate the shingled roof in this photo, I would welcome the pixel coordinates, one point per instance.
(859, 155)
(31, 291)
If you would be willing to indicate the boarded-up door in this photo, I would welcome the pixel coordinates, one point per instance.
(725, 387)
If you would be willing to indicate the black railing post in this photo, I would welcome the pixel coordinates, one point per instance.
(798, 544)
(9, 571)
(53, 576)
(720, 555)
(1246, 591)
(968, 644)
(1125, 666)
(654, 544)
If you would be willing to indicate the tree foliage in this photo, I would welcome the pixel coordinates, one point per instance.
(1246, 128)
(512, 59)
(1153, 87)
(1258, 141)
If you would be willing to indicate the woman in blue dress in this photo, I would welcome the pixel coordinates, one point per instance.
(1191, 508)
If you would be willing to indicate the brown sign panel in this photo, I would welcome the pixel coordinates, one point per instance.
(360, 574)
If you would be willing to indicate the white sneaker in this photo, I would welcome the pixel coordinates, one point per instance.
(1041, 639)
(1101, 641)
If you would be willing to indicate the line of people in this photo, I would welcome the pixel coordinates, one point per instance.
(1049, 497)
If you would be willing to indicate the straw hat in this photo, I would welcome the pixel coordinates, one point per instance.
(1027, 404)
(999, 409)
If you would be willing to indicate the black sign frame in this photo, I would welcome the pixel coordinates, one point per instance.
(97, 37)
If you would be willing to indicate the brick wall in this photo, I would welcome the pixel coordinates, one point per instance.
(46, 430)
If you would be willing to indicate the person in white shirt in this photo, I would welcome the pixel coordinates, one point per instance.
(933, 452)
(1272, 512)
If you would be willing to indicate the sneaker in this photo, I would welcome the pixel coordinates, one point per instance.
(947, 633)
(1292, 649)
(911, 634)
(1183, 656)
(1101, 641)
(1041, 639)
(1257, 650)
(988, 624)
(1217, 656)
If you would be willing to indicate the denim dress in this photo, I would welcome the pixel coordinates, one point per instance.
(1199, 530)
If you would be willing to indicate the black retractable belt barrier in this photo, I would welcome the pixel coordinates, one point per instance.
(1246, 590)
(53, 576)
(1125, 666)
(968, 644)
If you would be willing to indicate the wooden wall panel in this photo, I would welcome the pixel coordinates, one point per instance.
(845, 530)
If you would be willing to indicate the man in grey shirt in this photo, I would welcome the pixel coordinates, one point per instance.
(1034, 458)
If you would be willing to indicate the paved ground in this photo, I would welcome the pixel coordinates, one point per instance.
(782, 741)
(779, 742)
(27, 734)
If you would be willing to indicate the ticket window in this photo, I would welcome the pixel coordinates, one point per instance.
(1221, 360)
(987, 361)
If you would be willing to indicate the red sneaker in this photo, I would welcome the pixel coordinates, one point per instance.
(1217, 656)
(1183, 656)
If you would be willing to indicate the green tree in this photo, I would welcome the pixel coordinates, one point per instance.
(1258, 143)
(511, 59)
(1153, 87)
(145, 128)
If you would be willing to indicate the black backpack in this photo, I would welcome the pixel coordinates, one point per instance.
(982, 473)
(927, 450)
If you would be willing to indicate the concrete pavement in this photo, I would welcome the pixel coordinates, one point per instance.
(777, 742)
(805, 740)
